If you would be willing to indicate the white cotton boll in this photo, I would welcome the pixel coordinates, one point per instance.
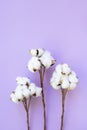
(19, 80)
(54, 74)
(21, 87)
(47, 60)
(73, 73)
(66, 69)
(19, 94)
(37, 52)
(47, 63)
(34, 64)
(64, 77)
(65, 84)
(58, 69)
(56, 80)
(38, 91)
(46, 53)
(22, 80)
(58, 75)
(40, 52)
(22, 91)
(32, 89)
(55, 85)
(14, 98)
(52, 79)
(26, 80)
(26, 93)
(73, 78)
(33, 52)
(24, 87)
(72, 86)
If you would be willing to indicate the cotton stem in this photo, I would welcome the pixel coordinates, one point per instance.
(42, 72)
(26, 104)
(64, 92)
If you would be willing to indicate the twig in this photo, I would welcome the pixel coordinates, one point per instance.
(28, 123)
(26, 105)
(29, 101)
(64, 92)
(42, 72)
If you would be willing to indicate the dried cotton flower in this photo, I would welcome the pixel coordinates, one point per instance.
(24, 91)
(41, 61)
(40, 57)
(65, 79)
(37, 52)
(34, 64)
(63, 76)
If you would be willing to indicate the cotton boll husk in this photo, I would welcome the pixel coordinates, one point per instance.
(73, 78)
(66, 69)
(53, 61)
(34, 64)
(38, 91)
(72, 86)
(65, 84)
(14, 98)
(32, 88)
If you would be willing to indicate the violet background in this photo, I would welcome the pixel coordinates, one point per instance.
(61, 28)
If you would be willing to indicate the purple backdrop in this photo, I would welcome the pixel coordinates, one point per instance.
(60, 27)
